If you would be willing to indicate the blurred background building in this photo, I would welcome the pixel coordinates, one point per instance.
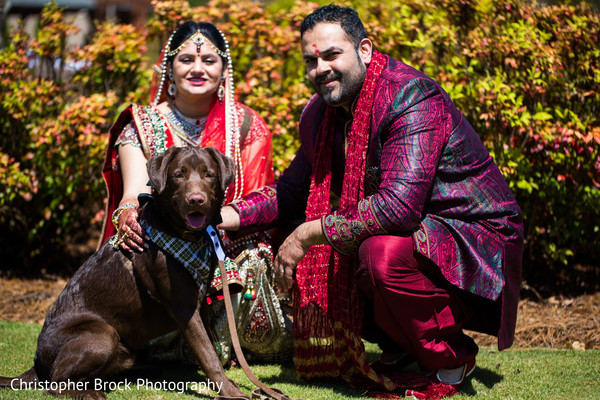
(83, 12)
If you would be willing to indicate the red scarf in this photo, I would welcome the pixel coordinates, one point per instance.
(328, 309)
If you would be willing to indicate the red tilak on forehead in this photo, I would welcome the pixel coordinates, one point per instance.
(316, 50)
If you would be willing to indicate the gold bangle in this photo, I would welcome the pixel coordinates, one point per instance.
(117, 213)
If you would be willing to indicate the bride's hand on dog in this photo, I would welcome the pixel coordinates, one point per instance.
(130, 231)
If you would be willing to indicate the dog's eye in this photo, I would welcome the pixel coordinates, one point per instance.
(210, 175)
(178, 175)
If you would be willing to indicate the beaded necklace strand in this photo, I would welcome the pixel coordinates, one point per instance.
(186, 128)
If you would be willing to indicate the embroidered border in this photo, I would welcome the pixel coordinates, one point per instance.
(343, 234)
(369, 217)
(158, 127)
(242, 206)
(129, 135)
(421, 241)
(144, 127)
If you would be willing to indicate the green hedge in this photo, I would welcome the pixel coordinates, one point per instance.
(525, 75)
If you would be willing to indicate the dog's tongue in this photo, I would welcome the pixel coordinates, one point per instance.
(196, 220)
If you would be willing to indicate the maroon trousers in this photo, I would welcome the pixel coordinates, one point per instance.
(411, 307)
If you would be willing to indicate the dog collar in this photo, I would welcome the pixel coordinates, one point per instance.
(194, 256)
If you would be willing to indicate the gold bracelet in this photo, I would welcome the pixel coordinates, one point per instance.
(116, 240)
(117, 213)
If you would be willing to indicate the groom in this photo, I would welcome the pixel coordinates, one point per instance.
(409, 222)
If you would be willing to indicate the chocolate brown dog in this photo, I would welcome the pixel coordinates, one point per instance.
(117, 301)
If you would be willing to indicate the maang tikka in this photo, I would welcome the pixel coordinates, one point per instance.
(198, 39)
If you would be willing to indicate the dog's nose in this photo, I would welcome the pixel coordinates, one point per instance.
(196, 199)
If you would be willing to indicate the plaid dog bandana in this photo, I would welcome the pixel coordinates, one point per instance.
(195, 256)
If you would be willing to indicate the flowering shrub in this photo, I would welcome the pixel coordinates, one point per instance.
(112, 60)
(526, 76)
(55, 128)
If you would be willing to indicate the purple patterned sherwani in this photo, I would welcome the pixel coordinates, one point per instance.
(428, 174)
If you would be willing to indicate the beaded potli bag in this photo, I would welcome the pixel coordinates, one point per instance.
(263, 319)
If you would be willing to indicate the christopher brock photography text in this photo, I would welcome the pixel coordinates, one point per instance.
(138, 384)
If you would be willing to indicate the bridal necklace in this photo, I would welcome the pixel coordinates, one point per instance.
(188, 129)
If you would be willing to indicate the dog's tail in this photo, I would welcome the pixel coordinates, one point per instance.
(26, 378)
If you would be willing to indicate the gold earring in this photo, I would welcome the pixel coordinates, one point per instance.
(221, 91)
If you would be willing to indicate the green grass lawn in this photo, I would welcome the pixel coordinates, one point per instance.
(512, 374)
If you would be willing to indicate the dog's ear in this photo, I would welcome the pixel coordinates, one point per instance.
(226, 167)
(158, 167)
